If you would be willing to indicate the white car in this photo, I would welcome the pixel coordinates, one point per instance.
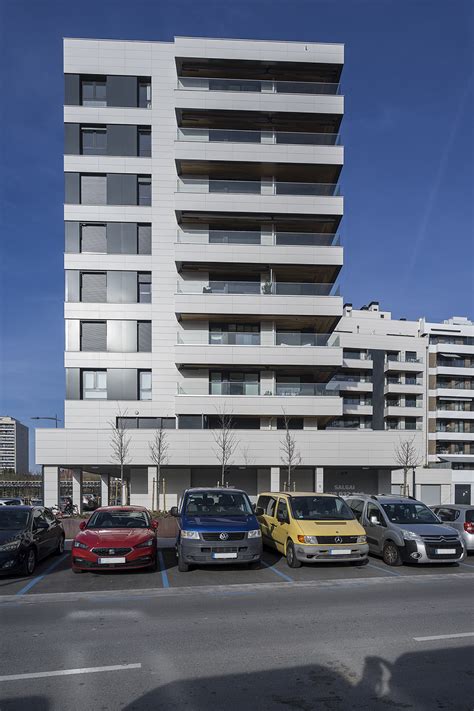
(12, 501)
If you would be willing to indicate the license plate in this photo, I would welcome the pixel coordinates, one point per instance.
(224, 555)
(340, 551)
(446, 551)
(111, 561)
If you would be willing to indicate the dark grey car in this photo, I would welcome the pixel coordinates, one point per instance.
(403, 530)
(27, 534)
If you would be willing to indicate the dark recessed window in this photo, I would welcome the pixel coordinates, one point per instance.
(93, 141)
(144, 93)
(94, 336)
(144, 239)
(144, 190)
(144, 288)
(190, 422)
(94, 92)
(295, 423)
(144, 142)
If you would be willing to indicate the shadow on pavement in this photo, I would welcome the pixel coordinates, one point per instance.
(22, 703)
(420, 681)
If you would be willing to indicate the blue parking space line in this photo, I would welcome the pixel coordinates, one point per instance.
(164, 574)
(39, 578)
(278, 572)
(382, 570)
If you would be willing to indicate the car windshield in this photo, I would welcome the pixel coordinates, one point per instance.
(13, 520)
(320, 508)
(217, 504)
(119, 519)
(409, 513)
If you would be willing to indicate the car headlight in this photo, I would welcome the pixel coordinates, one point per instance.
(307, 539)
(190, 534)
(146, 544)
(12, 546)
(256, 533)
(361, 539)
(411, 536)
(78, 544)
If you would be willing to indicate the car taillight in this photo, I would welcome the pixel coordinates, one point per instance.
(469, 527)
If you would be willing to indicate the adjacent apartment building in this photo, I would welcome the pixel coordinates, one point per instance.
(202, 210)
(14, 453)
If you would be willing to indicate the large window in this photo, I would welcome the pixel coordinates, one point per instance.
(94, 385)
(144, 384)
(144, 190)
(144, 288)
(94, 238)
(230, 383)
(93, 190)
(93, 141)
(94, 92)
(240, 334)
(94, 287)
(94, 336)
(146, 423)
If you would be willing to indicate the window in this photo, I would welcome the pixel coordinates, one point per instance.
(144, 239)
(93, 190)
(94, 385)
(144, 288)
(374, 511)
(144, 93)
(128, 423)
(144, 190)
(447, 515)
(462, 494)
(144, 336)
(410, 401)
(144, 142)
(282, 511)
(93, 141)
(93, 287)
(146, 423)
(93, 238)
(242, 334)
(410, 423)
(294, 423)
(410, 379)
(357, 508)
(38, 517)
(144, 384)
(238, 423)
(94, 336)
(411, 357)
(190, 422)
(94, 92)
(229, 383)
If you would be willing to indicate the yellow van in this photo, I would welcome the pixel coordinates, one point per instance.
(311, 528)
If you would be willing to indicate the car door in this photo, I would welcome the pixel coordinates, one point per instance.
(54, 530)
(450, 517)
(374, 525)
(41, 535)
(266, 519)
(281, 527)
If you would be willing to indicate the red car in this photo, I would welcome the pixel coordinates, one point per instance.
(115, 537)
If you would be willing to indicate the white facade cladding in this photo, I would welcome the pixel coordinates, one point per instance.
(14, 452)
(201, 212)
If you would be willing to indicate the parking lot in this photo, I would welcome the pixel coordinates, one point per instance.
(54, 575)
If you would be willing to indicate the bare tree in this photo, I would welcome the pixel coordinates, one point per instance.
(120, 443)
(290, 455)
(225, 441)
(159, 455)
(407, 457)
(246, 456)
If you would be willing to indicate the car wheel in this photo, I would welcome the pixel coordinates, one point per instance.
(29, 564)
(60, 547)
(182, 566)
(291, 559)
(359, 563)
(391, 554)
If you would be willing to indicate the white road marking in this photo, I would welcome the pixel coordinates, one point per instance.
(68, 672)
(444, 636)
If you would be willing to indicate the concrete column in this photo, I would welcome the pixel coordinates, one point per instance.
(152, 494)
(274, 478)
(77, 488)
(104, 489)
(51, 486)
(319, 480)
(267, 380)
(267, 335)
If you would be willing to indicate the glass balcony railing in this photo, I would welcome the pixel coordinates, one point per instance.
(255, 287)
(267, 86)
(255, 390)
(286, 338)
(225, 135)
(297, 338)
(256, 187)
(402, 359)
(287, 239)
(454, 363)
(455, 385)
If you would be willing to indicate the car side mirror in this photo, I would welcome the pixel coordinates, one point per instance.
(259, 511)
(83, 525)
(174, 511)
(154, 524)
(374, 519)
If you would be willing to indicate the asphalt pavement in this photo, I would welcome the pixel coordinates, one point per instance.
(318, 638)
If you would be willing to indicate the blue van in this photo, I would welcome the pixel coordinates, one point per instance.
(216, 525)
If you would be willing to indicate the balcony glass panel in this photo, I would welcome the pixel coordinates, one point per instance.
(299, 338)
(301, 389)
(253, 287)
(258, 85)
(233, 339)
(225, 135)
(256, 187)
(287, 239)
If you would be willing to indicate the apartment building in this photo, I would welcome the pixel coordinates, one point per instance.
(14, 452)
(202, 211)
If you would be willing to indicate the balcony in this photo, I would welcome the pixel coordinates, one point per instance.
(257, 238)
(402, 426)
(190, 286)
(260, 86)
(414, 365)
(270, 137)
(256, 187)
(403, 411)
(342, 383)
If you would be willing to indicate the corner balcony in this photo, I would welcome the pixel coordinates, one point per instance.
(295, 399)
(413, 365)
(257, 196)
(266, 95)
(215, 144)
(394, 387)
(246, 349)
(255, 247)
(357, 409)
(254, 298)
(343, 383)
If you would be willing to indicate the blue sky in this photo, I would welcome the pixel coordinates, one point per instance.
(408, 178)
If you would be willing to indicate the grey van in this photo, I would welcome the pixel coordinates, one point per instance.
(401, 529)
